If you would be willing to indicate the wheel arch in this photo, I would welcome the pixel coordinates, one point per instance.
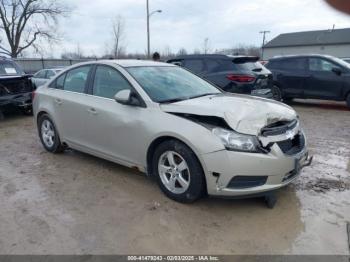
(157, 141)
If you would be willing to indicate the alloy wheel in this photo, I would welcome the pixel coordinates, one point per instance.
(48, 133)
(174, 172)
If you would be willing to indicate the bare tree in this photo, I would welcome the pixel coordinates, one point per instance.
(118, 28)
(196, 51)
(167, 53)
(26, 23)
(182, 51)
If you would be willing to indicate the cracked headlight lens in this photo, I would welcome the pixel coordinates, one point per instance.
(235, 141)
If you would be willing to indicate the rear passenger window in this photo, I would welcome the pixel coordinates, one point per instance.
(76, 79)
(194, 65)
(108, 81)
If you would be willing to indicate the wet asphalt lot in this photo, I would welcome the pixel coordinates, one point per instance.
(74, 203)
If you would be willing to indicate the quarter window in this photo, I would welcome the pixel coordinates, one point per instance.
(76, 79)
(108, 81)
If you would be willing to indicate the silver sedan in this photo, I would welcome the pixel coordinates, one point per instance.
(167, 122)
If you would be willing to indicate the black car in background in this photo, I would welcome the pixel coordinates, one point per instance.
(311, 76)
(235, 74)
(15, 87)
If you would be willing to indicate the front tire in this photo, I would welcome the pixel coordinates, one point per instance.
(48, 135)
(178, 172)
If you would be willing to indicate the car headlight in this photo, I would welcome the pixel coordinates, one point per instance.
(237, 142)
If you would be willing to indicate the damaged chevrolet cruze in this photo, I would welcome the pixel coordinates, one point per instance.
(193, 138)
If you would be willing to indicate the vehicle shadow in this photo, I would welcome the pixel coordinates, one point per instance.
(12, 114)
(322, 104)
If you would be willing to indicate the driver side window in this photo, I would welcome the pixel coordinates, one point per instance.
(108, 81)
(321, 65)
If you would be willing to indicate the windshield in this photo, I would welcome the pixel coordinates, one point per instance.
(171, 84)
(341, 62)
(8, 68)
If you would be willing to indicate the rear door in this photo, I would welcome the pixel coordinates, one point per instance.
(69, 100)
(291, 75)
(323, 82)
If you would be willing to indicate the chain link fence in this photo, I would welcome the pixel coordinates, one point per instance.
(31, 66)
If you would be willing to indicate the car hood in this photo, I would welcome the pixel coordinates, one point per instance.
(244, 114)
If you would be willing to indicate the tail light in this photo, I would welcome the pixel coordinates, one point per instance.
(241, 78)
(33, 95)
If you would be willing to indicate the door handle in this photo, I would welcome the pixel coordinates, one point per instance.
(92, 111)
(58, 102)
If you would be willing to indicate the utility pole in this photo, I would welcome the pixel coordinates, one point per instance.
(148, 30)
(263, 43)
(148, 35)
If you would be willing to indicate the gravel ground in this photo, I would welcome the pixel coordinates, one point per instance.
(74, 203)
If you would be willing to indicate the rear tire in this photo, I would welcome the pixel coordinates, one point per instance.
(178, 172)
(48, 135)
(348, 101)
(27, 111)
(276, 93)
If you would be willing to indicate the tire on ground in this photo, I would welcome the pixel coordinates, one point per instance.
(57, 146)
(196, 188)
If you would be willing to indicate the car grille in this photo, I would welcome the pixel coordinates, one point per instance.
(292, 146)
(242, 182)
(279, 128)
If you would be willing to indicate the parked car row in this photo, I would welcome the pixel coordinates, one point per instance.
(281, 78)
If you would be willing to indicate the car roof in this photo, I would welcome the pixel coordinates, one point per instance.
(134, 63)
(299, 56)
(211, 56)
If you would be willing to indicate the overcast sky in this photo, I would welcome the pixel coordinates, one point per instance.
(186, 23)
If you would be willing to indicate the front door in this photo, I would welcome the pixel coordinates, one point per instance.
(113, 129)
(323, 83)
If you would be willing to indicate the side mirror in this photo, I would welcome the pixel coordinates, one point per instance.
(337, 71)
(123, 96)
(126, 97)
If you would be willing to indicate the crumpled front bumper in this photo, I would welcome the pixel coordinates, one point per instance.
(278, 168)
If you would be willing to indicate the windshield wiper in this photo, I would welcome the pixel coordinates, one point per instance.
(174, 100)
(207, 94)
